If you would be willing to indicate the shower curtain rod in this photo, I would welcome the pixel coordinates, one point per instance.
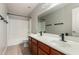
(17, 15)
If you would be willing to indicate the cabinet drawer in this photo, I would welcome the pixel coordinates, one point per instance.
(55, 52)
(29, 45)
(43, 47)
(34, 41)
(41, 52)
(34, 50)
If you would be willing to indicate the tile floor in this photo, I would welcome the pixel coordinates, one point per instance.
(17, 50)
(13, 50)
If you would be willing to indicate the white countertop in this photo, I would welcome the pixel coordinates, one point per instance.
(71, 47)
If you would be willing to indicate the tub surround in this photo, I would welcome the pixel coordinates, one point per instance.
(71, 47)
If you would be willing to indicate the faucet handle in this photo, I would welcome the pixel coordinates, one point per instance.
(41, 33)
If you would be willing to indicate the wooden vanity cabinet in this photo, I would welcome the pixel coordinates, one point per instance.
(34, 46)
(41, 52)
(38, 48)
(29, 42)
(43, 49)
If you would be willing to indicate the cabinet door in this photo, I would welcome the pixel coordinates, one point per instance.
(34, 41)
(30, 44)
(44, 47)
(34, 49)
(41, 52)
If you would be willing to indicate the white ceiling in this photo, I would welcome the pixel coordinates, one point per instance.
(52, 8)
(21, 8)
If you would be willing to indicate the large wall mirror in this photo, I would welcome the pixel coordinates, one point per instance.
(60, 19)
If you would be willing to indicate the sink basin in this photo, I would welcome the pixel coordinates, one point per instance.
(62, 44)
(50, 38)
(71, 46)
(57, 41)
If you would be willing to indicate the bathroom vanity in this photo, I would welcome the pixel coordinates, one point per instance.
(39, 48)
(51, 44)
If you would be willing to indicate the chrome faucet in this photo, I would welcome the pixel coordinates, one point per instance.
(62, 37)
(41, 33)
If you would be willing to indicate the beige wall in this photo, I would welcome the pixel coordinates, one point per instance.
(64, 15)
(36, 12)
